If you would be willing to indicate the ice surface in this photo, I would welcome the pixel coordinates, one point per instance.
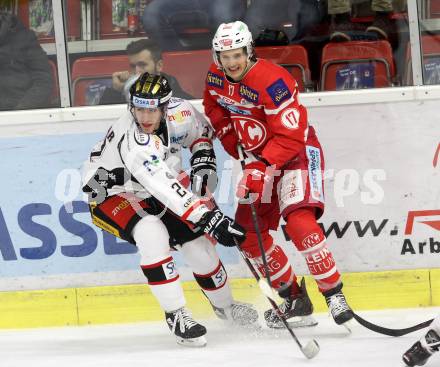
(151, 344)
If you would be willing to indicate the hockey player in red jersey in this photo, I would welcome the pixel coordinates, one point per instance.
(254, 103)
(135, 193)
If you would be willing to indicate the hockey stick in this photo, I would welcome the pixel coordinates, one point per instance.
(311, 349)
(391, 332)
(256, 224)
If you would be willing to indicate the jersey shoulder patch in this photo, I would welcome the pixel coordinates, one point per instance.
(215, 80)
(279, 91)
(141, 138)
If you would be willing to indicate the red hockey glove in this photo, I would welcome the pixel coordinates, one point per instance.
(254, 179)
(230, 142)
(227, 136)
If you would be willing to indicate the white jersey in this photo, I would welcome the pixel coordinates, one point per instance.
(148, 165)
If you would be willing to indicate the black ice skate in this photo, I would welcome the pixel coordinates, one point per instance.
(239, 313)
(188, 332)
(297, 309)
(339, 309)
(419, 353)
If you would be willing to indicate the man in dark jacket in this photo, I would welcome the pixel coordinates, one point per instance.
(25, 74)
(144, 55)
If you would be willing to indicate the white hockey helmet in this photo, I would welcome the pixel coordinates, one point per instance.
(230, 36)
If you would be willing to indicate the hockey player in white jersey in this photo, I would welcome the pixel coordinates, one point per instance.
(137, 192)
(428, 344)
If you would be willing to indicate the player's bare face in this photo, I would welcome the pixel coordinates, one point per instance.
(234, 63)
(148, 118)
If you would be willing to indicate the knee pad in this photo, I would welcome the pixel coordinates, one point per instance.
(250, 244)
(200, 255)
(152, 240)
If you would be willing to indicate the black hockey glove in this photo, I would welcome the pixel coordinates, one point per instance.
(203, 172)
(97, 186)
(222, 228)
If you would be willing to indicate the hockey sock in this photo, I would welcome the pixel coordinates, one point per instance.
(164, 283)
(215, 286)
(280, 271)
(309, 239)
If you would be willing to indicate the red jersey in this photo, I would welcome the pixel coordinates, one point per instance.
(262, 108)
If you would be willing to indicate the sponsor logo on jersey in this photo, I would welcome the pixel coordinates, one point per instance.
(177, 139)
(214, 80)
(248, 93)
(226, 101)
(145, 102)
(229, 105)
(151, 163)
(238, 110)
(141, 138)
(279, 92)
(315, 174)
(252, 133)
(290, 118)
(180, 116)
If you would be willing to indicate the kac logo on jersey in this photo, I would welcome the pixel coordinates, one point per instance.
(279, 92)
(248, 93)
(214, 80)
(252, 133)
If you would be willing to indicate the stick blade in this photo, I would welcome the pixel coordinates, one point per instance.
(311, 349)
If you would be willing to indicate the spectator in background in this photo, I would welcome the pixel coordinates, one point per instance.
(25, 74)
(293, 17)
(144, 55)
(164, 20)
(342, 25)
(273, 14)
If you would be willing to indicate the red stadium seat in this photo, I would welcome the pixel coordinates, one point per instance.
(431, 60)
(293, 58)
(434, 8)
(190, 68)
(90, 75)
(357, 65)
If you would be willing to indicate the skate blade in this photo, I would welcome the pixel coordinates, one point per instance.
(296, 322)
(348, 325)
(192, 342)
